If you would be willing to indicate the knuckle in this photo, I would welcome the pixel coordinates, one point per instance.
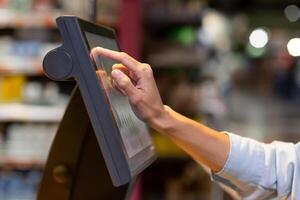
(115, 66)
(123, 56)
(146, 68)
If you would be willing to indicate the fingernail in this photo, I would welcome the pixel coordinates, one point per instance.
(116, 73)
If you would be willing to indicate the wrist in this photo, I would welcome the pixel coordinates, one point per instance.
(162, 122)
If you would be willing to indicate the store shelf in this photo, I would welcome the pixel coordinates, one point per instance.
(26, 72)
(162, 15)
(23, 57)
(33, 68)
(108, 21)
(30, 113)
(21, 164)
(184, 57)
(11, 19)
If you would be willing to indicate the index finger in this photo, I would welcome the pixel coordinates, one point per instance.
(121, 57)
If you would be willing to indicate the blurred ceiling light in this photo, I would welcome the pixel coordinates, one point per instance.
(292, 13)
(293, 47)
(215, 30)
(259, 38)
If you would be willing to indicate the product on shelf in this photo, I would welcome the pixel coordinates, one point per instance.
(27, 144)
(19, 185)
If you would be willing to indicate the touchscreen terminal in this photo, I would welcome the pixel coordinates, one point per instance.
(134, 133)
(123, 138)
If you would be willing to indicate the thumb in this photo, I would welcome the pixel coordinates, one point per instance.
(123, 82)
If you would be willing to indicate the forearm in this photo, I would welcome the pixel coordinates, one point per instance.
(136, 80)
(206, 145)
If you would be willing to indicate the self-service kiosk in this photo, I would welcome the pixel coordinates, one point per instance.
(100, 146)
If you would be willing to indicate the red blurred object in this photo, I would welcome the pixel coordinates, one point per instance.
(130, 27)
(285, 60)
(137, 191)
(3, 3)
(130, 30)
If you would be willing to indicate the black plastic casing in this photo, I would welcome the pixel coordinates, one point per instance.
(72, 61)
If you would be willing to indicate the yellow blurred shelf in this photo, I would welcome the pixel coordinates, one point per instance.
(166, 148)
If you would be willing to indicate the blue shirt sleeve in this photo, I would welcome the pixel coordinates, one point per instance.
(261, 171)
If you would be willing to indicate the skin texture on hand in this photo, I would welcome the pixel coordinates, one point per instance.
(135, 80)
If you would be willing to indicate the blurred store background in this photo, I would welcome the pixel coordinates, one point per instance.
(231, 64)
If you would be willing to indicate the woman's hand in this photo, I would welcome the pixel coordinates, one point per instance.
(136, 81)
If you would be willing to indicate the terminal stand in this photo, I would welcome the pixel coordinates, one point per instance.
(100, 143)
(75, 169)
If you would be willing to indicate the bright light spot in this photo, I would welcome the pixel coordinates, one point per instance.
(292, 13)
(293, 47)
(259, 38)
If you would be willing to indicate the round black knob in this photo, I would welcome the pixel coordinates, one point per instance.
(57, 64)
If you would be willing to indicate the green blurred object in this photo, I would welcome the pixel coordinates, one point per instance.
(255, 52)
(185, 35)
(21, 6)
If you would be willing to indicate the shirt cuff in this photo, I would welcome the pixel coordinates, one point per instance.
(244, 165)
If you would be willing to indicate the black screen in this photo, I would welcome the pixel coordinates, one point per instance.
(134, 133)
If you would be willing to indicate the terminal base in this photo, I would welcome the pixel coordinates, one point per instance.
(75, 169)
